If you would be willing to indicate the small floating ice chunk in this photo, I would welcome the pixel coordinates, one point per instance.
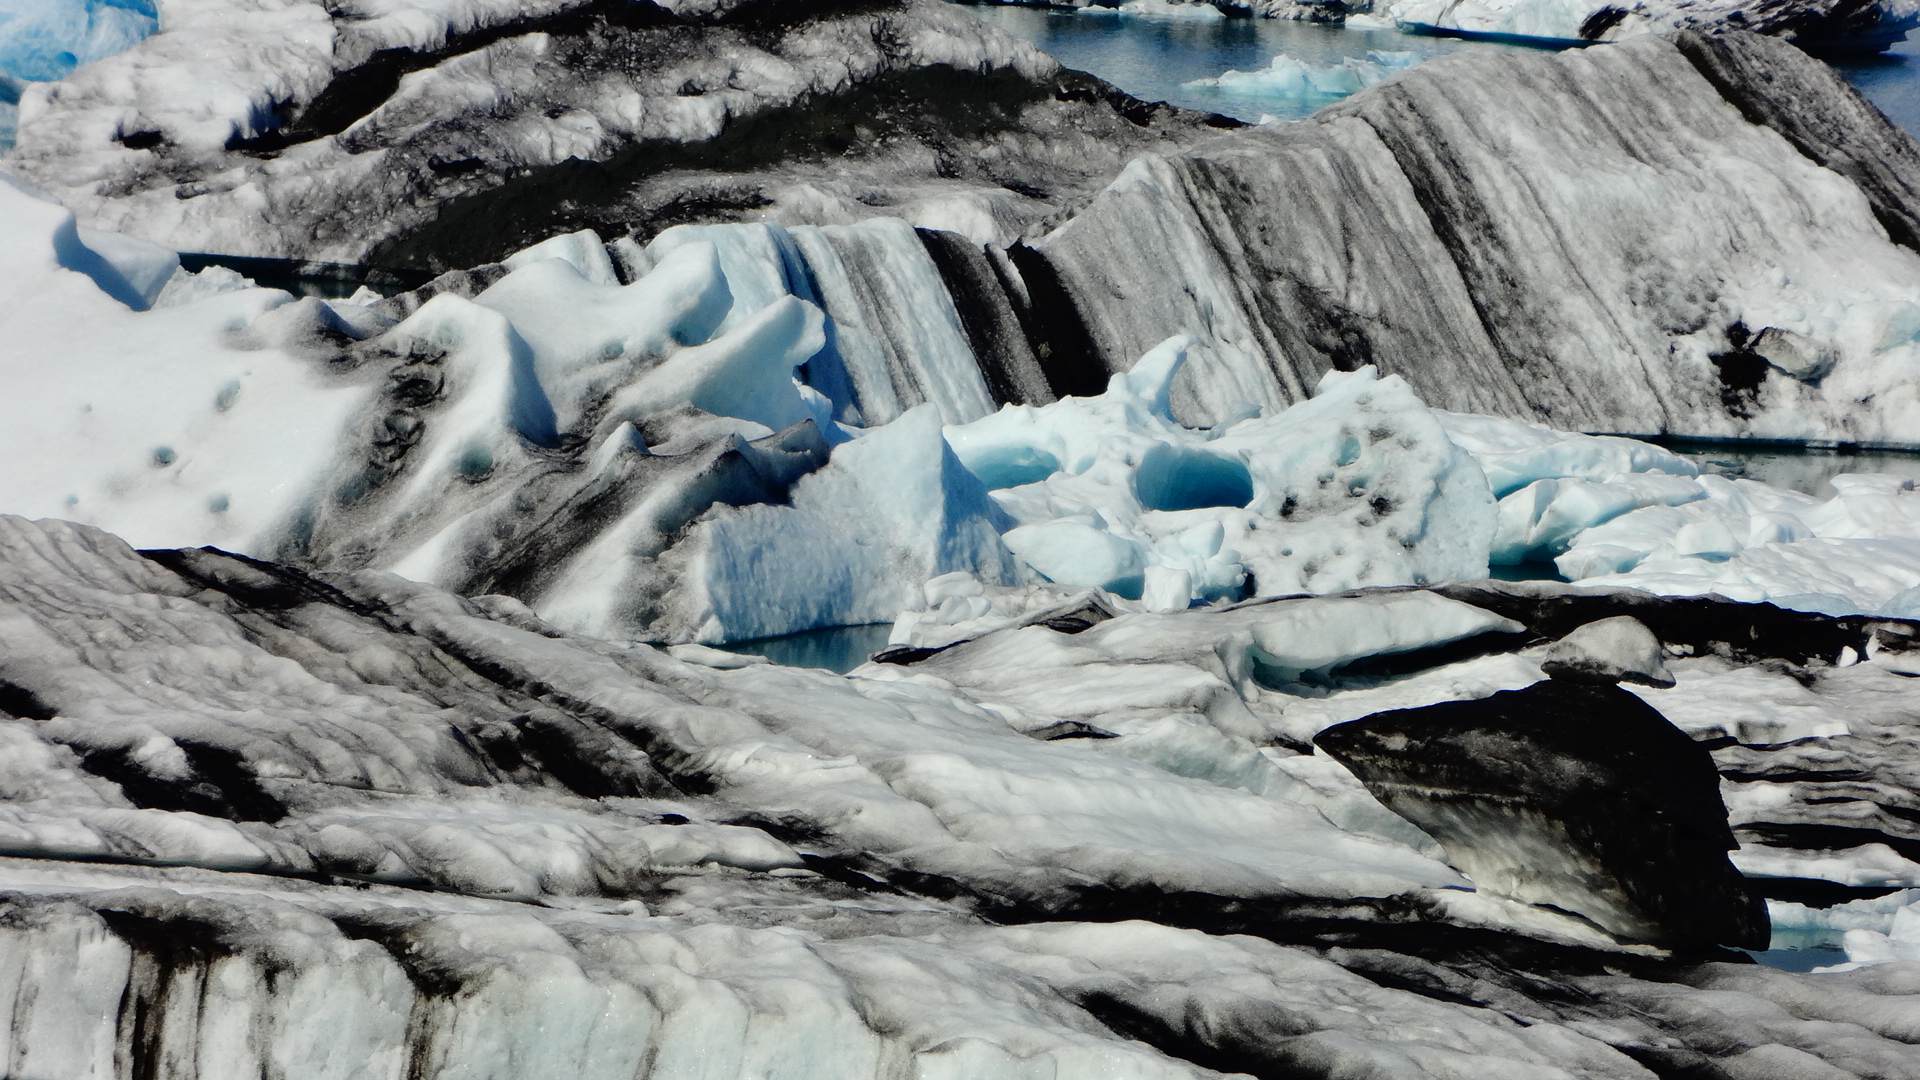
(720, 659)
(1160, 9)
(1072, 553)
(1289, 79)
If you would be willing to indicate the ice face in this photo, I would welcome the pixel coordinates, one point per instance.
(888, 511)
(43, 40)
(1402, 248)
(668, 394)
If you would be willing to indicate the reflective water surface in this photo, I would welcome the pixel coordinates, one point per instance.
(1152, 58)
(839, 649)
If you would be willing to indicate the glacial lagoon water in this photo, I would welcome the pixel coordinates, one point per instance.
(839, 649)
(1159, 59)
(1807, 470)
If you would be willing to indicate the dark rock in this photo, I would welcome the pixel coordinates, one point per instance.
(1698, 624)
(1582, 797)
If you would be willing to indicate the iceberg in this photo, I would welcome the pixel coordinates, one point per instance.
(1289, 79)
(1374, 249)
(640, 467)
(1178, 10)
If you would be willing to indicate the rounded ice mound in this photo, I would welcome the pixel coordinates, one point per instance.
(1357, 486)
(1314, 638)
(1620, 649)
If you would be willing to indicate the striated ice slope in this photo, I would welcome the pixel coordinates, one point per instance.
(1702, 236)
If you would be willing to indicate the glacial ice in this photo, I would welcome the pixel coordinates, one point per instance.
(44, 40)
(594, 853)
(1360, 485)
(332, 822)
(1357, 486)
(489, 75)
(1669, 229)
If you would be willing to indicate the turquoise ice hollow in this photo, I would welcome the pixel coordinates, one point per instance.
(44, 40)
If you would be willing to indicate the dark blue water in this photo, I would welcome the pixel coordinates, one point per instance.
(1798, 949)
(1156, 59)
(1806, 470)
(839, 649)
(1890, 80)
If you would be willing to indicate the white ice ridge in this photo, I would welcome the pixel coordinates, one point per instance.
(184, 409)
(1290, 79)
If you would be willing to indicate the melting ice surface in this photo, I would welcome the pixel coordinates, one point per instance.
(1283, 67)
